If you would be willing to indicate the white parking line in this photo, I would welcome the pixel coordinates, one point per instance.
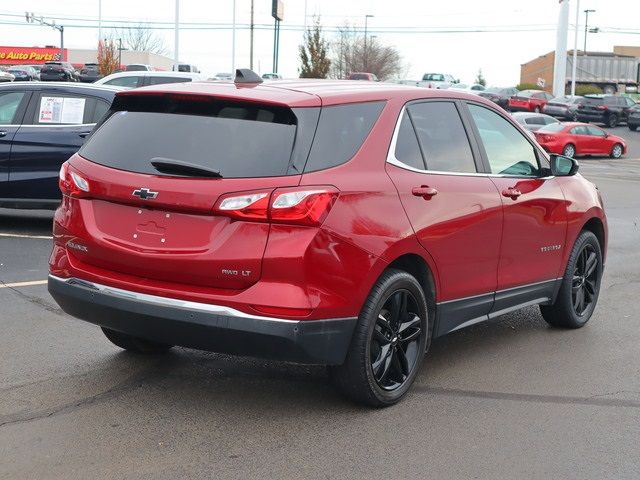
(16, 235)
(23, 284)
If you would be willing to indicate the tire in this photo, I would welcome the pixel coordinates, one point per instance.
(569, 150)
(632, 127)
(609, 89)
(383, 359)
(537, 109)
(612, 121)
(134, 344)
(616, 151)
(581, 280)
(574, 117)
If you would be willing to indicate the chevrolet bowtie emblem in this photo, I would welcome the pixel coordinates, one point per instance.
(145, 194)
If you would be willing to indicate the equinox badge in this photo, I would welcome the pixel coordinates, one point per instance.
(145, 194)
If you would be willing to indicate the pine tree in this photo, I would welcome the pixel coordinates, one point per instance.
(480, 79)
(314, 53)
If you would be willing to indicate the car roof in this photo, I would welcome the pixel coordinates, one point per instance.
(68, 86)
(306, 92)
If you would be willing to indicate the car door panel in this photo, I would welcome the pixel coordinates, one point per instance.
(534, 206)
(456, 215)
(40, 148)
(13, 104)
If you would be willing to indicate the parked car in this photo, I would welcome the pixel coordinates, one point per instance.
(58, 71)
(572, 139)
(90, 73)
(266, 76)
(633, 120)
(533, 121)
(185, 67)
(23, 73)
(41, 126)
(473, 88)
(6, 76)
(499, 95)
(332, 248)
(529, 101)
(565, 107)
(437, 80)
(608, 110)
(138, 67)
(37, 68)
(137, 79)
(223, 76)
(370, 77)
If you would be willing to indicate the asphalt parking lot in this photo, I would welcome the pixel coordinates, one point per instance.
(511, 398)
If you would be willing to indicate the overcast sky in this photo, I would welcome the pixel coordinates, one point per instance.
(421, 30)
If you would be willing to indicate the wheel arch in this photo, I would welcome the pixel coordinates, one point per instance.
(595, 226)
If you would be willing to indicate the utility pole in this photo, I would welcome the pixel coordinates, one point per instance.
(251, 41)
(99, 20)
(366, 18)
(560, 64)
(574, 66)
(176, 40)
(586, 28)
(31, 18)
(233, 41)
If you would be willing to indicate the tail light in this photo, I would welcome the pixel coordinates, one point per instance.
(297, 206)
(602, 107)
(71, 183)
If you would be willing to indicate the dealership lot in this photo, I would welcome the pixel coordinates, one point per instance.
(508, 399)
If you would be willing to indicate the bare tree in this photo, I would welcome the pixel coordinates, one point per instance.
(352, 54)
(142, 38)
(107, 57)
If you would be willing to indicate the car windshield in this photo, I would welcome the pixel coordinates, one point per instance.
(359, 76)
(552, 127)
(527, 93)
(436, 77)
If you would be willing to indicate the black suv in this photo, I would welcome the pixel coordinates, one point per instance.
(633, 121)
(606, 109)
(58, 71)
(90, 73)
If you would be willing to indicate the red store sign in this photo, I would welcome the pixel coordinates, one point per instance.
(29, 55)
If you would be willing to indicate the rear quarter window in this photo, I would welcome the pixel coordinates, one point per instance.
(341, 132)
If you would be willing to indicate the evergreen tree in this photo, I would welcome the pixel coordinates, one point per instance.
(314, 53)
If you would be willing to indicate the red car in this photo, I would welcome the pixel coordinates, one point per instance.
(529, 101)
(571, 139)
(339, 223)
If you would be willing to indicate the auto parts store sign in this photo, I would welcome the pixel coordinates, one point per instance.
(28, 55)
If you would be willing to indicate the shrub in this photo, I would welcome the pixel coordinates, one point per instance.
(527, 86)
(587, 89)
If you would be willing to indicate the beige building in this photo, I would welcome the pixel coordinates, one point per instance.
(82, 56)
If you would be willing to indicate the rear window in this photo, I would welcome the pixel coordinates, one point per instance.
(593, 101)
(238, 140)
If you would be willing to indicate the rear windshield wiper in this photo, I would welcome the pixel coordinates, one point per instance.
(178, 167)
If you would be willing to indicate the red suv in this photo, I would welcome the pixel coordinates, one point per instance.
(337, 223)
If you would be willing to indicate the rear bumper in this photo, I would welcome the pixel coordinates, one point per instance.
(204, 326)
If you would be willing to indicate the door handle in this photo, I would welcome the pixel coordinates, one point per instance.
(424, 191)
(511, 193)
(3, 133)
(83, 134)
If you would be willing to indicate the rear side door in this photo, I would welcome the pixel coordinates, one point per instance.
(455, 212)
(54, 128)
(13, 103)
(535, 211)
(598, 140)
(581, 139)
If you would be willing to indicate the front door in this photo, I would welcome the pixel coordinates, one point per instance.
(455, 212)
(535, 211)
(12, 104)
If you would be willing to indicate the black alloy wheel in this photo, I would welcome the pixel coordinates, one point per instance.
(612, 121)
(395, 342)
(585, 280)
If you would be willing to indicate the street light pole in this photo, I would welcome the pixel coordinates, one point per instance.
(586, 28)
(575, 51)
(176, 40)
(366, 24)
(251, 41)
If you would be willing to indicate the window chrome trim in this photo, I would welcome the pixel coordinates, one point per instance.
(391, 159)
(55, 125)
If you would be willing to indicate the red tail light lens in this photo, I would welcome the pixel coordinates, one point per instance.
(297, 206)
(302, 206)
(602, 107)
(71, 183)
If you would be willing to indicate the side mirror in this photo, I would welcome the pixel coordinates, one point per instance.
(563, 166)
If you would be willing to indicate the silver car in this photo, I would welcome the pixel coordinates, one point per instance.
(533, 121)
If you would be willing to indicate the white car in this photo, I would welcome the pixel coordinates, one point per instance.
(437, 80)
(144, 78)
(473, 88)
(6, 76)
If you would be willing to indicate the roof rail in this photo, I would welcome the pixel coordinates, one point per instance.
(245, 75)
